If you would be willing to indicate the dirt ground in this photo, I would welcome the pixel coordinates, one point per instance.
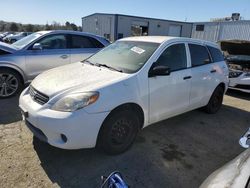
(178, 152)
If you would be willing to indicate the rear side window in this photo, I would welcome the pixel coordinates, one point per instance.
(199, 55)
(174, 57)
(78, 41)
(216, 54)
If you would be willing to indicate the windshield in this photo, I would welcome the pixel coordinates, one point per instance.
(26, 40)
(127, 56)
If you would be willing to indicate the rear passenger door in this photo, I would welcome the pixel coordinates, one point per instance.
(202, 75)
(83, 46)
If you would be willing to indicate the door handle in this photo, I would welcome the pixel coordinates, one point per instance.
(187, 77)
(64, 56)
(213, 71)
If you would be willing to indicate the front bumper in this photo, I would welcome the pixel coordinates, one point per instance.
(241, 83)
(80, 128)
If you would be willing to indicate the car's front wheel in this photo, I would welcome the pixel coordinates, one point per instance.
(118, 131)
(10, 83)
(215, 101)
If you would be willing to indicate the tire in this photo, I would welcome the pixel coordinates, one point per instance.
(118, 131)
(10, 83)
(215, 101)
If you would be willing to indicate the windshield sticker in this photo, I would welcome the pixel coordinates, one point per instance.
(137, 50)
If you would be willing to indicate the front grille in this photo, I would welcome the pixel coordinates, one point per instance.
(38, 96)
(240, 86)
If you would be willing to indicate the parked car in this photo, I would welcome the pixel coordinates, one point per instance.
(239, 72)
(2, 35)
(13, 38)
(238, 60)
(25, 59)
(105, 100)
(234, 174)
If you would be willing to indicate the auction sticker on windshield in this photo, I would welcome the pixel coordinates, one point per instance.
(137, 50)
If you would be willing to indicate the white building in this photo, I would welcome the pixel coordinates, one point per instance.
(225, 30)
(115, 26)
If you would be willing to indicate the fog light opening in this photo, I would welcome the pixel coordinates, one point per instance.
(64, 138)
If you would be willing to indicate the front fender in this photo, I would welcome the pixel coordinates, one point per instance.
(14, 67)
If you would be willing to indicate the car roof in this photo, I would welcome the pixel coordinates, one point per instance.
(69, 32)
(155, 39)
(162, 39)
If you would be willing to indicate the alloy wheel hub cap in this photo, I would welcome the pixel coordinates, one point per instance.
(8, 85)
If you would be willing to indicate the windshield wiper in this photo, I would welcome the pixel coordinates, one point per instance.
(88, 62)
(109, 67)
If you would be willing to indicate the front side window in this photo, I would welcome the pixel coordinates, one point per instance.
(174, 57)
(54, 42)
(128, 56)
(199, 55)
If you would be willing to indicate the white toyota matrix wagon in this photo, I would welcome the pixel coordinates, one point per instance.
(106, 99)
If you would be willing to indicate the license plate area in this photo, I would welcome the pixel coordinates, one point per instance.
(24, 113)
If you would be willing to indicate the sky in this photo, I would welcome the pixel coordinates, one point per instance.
(47, 11)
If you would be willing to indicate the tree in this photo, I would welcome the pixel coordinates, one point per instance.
(47, 27)
(13, 27)
(67, 25)
(73, 26)
(29, 28)
(79, 28)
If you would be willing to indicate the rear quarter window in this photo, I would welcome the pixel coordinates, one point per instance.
(216, 54)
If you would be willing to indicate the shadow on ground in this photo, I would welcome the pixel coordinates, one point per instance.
(238, 94)
(9, 110)
(178, 152)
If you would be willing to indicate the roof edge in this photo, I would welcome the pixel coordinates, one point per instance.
(110, 14)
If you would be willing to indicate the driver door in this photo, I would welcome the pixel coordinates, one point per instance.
(54, 53)
(169, 94)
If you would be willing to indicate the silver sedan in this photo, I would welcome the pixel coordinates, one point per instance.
(25, 59)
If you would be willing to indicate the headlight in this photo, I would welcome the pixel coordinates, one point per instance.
(234, 74)
(247, 74)
(73, 102)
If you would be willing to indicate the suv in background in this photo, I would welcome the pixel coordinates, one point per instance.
(105, 100)
(25, 59)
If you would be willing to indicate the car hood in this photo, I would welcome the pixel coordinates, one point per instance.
(7, 47)
(234, 174)
(75, 77)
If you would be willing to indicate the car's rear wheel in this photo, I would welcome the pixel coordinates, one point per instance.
(10, 83)
(215, 101)
(118, 131)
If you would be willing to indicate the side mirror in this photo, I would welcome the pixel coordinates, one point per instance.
(245, 140)
(37, 46)
(159, 70)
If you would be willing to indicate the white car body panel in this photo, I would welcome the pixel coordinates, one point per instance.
(241, 80)
(158, 97)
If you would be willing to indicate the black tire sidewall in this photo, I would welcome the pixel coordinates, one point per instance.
(210, 108)
(103, 138)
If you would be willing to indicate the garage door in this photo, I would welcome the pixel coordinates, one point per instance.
(174, 30)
